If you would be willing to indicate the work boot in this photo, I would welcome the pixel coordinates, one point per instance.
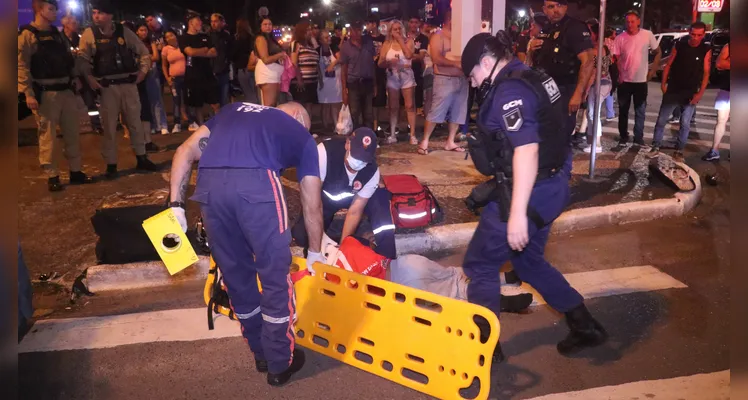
(111, 171)
(585, 331)
(144, 164)
(53, 184)
(79, 178)
(283, 377)
(261, 365)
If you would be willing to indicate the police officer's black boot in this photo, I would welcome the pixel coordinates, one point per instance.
(111, 171)
(282, 378)
(585, 331)
(79, 178)
(144, 164)
(152, 148)
(53, 184)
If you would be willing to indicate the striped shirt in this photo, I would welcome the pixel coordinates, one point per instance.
(308, 63)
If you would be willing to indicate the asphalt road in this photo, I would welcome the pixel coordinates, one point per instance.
(655, 334)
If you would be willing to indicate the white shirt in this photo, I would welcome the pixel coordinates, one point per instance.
(366, 192)
(633, 53)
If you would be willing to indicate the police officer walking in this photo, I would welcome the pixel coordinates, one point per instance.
(520, 145)
(350, 179)
(114, 60)
(564, 51)
(46, 70)
(242, 151)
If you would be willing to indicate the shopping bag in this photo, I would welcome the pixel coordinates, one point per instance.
(345, 122)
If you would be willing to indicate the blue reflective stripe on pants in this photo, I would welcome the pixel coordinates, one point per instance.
(244, 213)
(488, 251)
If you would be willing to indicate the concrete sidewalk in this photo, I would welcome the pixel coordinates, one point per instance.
(58, 238)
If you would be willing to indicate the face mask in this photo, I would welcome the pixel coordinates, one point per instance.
(355, 165)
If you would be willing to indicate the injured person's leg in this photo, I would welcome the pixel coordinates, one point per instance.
(419, 272)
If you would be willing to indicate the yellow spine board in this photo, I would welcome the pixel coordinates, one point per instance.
(417, 339)
(157, 228)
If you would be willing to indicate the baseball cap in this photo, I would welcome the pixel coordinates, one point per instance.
(103, 6)
(363, 144)
(472, 52)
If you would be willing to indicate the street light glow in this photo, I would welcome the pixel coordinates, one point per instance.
(636, 4)
(347, 25)
(375, 9)
(73, 5)
(521, 13)
(310, 10)
(326, 2)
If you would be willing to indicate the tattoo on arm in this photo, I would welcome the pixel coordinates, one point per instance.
(183, 186)
(202, 143)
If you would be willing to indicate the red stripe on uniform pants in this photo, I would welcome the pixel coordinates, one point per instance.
(277, 201)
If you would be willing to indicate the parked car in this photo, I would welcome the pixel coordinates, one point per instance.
(665, 41)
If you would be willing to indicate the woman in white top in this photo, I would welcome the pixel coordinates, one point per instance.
(330, 90)
(269, 69)
(395, 55)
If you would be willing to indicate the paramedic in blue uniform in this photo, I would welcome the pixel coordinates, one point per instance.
(350, 179)
(242, 152)
(519, 143)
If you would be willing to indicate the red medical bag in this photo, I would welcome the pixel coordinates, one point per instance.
(412, 204)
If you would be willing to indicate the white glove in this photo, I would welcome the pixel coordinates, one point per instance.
(313, 257)
(181, 217)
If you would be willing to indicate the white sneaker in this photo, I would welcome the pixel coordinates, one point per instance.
(164, 131)
(193, 127)
(177, 128)
(588, 149)
(153, 131)
(391, 139)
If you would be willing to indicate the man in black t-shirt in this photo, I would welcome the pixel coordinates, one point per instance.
(421, 45)
(223, 42)
(200, 85)
(380, 91)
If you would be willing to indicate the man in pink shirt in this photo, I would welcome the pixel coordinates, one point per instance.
(632, 49)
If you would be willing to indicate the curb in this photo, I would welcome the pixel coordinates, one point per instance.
(434, 239)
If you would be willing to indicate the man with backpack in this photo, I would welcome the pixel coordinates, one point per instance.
(350, 179)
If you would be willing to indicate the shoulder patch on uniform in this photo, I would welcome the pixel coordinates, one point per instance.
(513, 120)
(551, 88)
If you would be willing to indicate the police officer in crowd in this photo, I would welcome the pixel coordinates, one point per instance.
(350, 179)
(114, 60)
(519, 143)
(242, 152)
(46, 76)
(564, 51)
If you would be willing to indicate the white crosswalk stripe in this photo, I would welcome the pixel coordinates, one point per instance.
(190, 324)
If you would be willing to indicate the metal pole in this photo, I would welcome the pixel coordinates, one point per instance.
(598, 76)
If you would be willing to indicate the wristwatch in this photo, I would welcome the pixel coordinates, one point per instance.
(179, 204)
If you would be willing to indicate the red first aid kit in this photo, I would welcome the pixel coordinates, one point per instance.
(412, 204)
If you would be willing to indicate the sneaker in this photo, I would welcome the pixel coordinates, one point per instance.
(654, 152)
(144, 164)
(153, 131)
(111, 171)
(164, 131)
(282, 378)
(623, 141)
(79, 178)
(678, 156)
(391, 139)
(588, 149)
(711, 155)
(193, 127)
(674, 120)
(177, 128)
(639, 142)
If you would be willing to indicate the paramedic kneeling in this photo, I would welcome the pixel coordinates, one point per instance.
(350, 179)
(521, 145)
(242, 151)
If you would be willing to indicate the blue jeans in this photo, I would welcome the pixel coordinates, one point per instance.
(639, 92)
(158, 114)
(591, 100)
(669, 104)
(249, 87)
(609, 107)
(223, 88)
